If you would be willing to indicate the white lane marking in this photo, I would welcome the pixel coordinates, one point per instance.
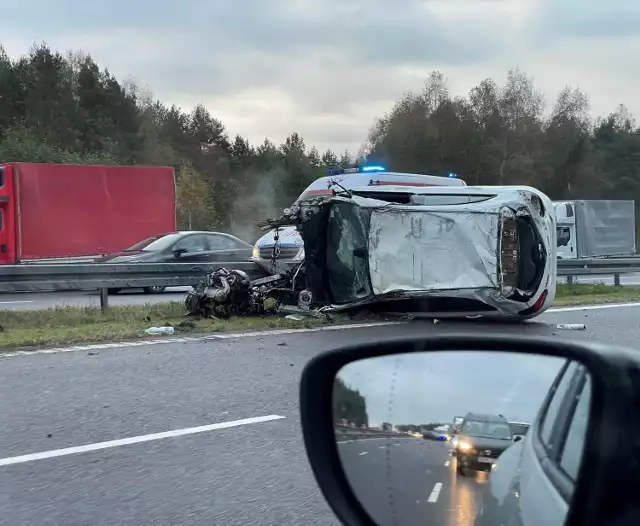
(277, 332)
(135, 440)
(12, 302)
(142, 343)
(435, 493)
(447, 463)
(363, 453)
(383, 447)
(593, 307)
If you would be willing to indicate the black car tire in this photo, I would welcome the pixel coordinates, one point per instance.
(154, 290)
(113, 291)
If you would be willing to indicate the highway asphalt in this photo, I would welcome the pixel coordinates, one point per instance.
(411, 482)
(233, 470)
(38, 300)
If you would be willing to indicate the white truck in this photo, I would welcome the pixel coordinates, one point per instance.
(597, 228)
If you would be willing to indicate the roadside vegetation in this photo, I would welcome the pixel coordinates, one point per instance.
(586, 294)
(64, 107)
(69, 325)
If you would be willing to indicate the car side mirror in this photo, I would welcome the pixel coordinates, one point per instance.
(178, 252)
(418, 381)
(517, 439)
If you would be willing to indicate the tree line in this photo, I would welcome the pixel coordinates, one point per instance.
(348, 404)
(65, 108)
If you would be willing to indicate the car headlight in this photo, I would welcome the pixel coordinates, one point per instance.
(464, 446)
(256, 252)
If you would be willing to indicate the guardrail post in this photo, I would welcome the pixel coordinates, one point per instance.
(104, 299)
(616, 280)
(569, 280)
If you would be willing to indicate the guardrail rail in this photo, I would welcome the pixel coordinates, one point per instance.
(104, 276)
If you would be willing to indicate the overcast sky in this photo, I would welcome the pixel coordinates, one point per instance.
(327, 68)
(419, 388)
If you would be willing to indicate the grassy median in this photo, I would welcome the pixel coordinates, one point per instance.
(585, 294)
(68, 325)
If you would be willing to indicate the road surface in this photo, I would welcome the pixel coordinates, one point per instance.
(411, 482)
(39, 300)
(254, 472)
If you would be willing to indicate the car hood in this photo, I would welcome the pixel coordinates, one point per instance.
(287, 236)
(485, 442)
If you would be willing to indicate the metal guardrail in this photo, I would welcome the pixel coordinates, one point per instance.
(614, 266)
(355, 433)
(103, 276)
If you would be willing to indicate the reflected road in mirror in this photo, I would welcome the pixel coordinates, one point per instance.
(418, 434)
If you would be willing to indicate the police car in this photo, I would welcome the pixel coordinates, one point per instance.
(289, 248)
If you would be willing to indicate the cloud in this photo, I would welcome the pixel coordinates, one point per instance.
(327, 69)
(434, 387)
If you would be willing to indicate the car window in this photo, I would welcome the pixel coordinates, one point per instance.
(563, 236)
(556, 402)
(194, 243)
(574, 444)
(221, 243)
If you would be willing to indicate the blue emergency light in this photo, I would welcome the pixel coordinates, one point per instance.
(452, 175)
(360, 169)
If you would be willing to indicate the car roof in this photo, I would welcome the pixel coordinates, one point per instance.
(485, 417)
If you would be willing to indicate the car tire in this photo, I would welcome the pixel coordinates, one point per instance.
(113, 291)
(154, 290)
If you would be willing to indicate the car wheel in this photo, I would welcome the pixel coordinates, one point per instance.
(154, 290)
(113, 291)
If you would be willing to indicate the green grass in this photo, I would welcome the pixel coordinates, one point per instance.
(584, 294)
(68, 325)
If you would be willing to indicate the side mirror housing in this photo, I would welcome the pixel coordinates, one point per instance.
(415, 372)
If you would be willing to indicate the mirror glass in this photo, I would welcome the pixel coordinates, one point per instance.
(445, 438)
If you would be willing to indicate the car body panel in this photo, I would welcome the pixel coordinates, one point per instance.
(519, 492)
(416, 250)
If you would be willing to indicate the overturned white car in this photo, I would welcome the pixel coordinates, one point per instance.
(440, 251)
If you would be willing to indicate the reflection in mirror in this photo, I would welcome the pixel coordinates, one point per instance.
(442, 437)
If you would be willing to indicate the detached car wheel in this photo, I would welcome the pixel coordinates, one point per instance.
(154, 290)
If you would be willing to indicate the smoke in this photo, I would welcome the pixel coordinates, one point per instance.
(257, 201)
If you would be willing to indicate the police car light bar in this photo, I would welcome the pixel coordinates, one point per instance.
(361, 169)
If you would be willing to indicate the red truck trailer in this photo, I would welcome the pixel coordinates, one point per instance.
(52, 211)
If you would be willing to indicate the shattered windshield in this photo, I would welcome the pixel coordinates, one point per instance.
(347, 252)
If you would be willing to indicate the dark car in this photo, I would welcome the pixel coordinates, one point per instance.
(481, 440)
(182, 247)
